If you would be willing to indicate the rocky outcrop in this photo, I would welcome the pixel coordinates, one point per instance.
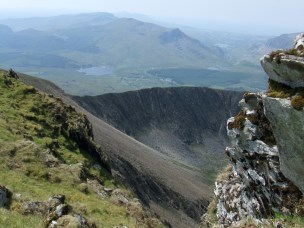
(56, 213)
(286, 66)
(286, 69)
(266, 147)
(256, 186)
(286, 113)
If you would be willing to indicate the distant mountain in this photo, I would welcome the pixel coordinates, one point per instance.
(284, 41)
(123, 52)
(137, 44)
(30, 40)
(110, 41)
(5, 30)
(59, 22)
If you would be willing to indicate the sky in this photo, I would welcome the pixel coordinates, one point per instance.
(257, 16)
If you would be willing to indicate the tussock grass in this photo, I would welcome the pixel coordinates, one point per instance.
(279, 90)
(239, 121)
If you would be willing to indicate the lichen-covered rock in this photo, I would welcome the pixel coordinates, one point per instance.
(266, 148)
(288, 129)
(74, 220)
(56, 213)
(5, 196)
(256, 186)
(286, 69)
(299, 42)
(34, 208)
(96, 186)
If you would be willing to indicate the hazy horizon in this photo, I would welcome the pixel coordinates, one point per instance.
(273, 17)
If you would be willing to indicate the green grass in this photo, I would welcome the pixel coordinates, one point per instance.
(25, 113)
(14, 219)
(289, 221)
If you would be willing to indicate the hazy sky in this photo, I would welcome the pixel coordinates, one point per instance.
(272, 15)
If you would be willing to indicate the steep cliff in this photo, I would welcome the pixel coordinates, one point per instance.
(183, 123)
(264, 187)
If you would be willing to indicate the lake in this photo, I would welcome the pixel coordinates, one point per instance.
(96, 71)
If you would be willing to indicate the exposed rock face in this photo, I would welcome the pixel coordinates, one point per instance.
(256, 185)
(187, 112)
(170, 120)
(287, 123)
(266, 147)
(289, 132)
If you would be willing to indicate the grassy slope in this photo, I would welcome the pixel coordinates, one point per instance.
(26, 113)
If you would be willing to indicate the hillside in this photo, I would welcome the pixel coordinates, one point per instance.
(52, 172)
(177, 194)
(182, 123)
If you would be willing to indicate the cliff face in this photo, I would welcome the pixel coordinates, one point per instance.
(187, 112)
(184, 127)
(182, 123)
(266, 149)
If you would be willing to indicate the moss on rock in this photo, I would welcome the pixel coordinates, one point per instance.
(279, 90)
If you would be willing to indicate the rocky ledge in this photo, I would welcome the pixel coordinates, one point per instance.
(266, 149)
(286, 66)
